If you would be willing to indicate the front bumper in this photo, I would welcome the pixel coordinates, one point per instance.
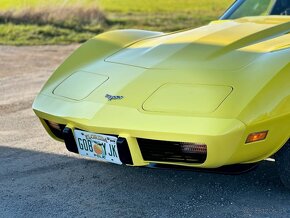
(223, 137)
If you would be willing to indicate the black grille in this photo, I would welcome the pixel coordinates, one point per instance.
(155, 150)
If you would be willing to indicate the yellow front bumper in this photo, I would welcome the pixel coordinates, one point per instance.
(223, 137)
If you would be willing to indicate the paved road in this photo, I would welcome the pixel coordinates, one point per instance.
(38, 177)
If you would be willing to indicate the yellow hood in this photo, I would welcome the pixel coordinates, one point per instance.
(228, 44)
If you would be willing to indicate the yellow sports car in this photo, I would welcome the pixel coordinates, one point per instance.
(210, 97)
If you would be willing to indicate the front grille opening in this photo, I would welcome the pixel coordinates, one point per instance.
(166, 151)
(55, 128)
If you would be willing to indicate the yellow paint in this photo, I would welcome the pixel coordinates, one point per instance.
(221, 82)
(186, 98)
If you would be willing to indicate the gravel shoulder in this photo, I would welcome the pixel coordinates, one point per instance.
(38, 177)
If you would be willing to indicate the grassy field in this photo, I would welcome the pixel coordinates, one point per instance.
(29, 22)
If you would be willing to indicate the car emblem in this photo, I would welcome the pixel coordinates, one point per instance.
(114, 97)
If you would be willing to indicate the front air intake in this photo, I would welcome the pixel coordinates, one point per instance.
(177, 152)
(55, 128)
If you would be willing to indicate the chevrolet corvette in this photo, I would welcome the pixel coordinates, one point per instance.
(212, 97)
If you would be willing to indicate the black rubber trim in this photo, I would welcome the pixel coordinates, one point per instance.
(124, 151)
(69, 140)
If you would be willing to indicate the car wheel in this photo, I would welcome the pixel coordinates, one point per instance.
(283, 164)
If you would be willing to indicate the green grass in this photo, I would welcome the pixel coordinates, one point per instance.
(156, 6)
(12, 34)
(28, 22)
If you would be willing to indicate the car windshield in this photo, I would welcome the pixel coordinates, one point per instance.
(244, 8)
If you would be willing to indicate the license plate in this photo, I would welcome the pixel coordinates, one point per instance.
(97, 146)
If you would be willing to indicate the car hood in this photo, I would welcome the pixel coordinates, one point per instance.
(230, 44)
(213, 71)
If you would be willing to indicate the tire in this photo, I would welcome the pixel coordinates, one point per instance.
(283, 164)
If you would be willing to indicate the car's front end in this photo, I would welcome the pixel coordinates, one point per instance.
(209, 97)
(196, 98)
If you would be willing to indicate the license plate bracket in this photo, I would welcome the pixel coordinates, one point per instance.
(97, 146)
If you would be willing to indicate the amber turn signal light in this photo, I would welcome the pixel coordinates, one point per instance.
(257, 136)
(54, 125)
(55, 128)
(193, 148)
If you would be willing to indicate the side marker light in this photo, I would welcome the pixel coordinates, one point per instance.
(257, 136)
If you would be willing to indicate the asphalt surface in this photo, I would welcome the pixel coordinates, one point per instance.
(38, 177)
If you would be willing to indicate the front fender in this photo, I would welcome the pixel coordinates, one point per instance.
(96, 49)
